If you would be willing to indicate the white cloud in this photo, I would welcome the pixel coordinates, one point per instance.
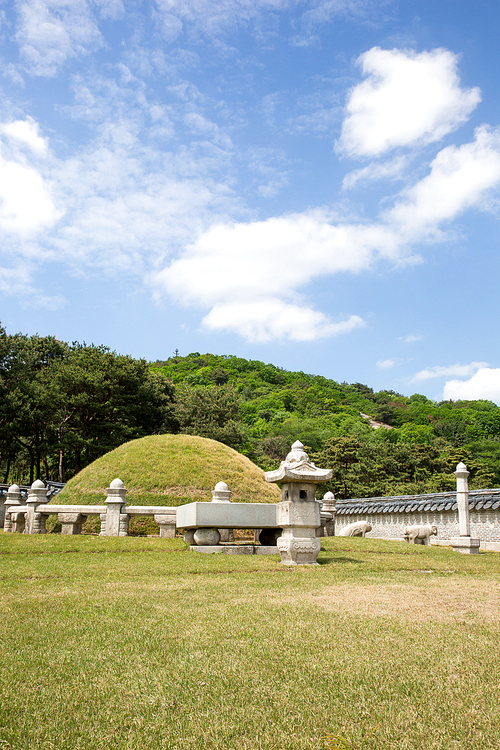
(248, 267)
(243, 262)
(274, 258)
(460, 178)
(410, 339)
(126, 213)
(484, 384)
(440, 372)
(51, 31)
(407, 98)
(386, 364)
(20, 280)
(15, 280)
(26, 205)
(392, 170)
(270, 319)
(271, 257)
(27, 132)
(213, 17)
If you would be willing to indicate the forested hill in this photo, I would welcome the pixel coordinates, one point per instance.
(417, 454)
(64, 405)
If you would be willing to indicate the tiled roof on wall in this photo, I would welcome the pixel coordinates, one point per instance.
(435, 502)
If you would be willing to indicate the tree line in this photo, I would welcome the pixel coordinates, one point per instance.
(64, 405)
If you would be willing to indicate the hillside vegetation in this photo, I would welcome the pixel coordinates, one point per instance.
(415, 450)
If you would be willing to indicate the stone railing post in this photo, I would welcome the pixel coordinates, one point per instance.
(298, 514)
(329, 506)
(116, 520)
(35, 522)
(464, 543)
(11, 522)
(222, 494)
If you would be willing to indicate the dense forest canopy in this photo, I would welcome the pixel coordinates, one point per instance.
(64, 405)
(415, 450)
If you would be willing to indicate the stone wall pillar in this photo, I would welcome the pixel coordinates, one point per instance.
(13, 524)
(462, 476)
(35, 521)
(116, 520)
(464, 543)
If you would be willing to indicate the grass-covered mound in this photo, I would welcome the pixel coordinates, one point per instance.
(170, 470)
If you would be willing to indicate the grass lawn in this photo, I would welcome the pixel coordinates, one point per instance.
(135, 643)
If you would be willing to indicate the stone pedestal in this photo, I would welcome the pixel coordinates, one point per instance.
(71, 523)
(466, 544)
(166, 524)
(206, 537)
(298, 544)
(189, 536)
(298, 514)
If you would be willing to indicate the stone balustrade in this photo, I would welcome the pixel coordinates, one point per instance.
(30, 517)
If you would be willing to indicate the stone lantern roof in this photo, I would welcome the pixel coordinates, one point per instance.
(297, 468)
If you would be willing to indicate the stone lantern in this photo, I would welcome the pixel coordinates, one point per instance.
(298, 514)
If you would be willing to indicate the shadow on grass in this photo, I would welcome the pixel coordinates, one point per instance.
(329, 560)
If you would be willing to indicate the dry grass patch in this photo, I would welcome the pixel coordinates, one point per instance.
(440, 600)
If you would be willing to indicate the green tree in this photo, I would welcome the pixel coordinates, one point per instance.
(105, 399)
(63, 406)
(211, 412)
(29, 400)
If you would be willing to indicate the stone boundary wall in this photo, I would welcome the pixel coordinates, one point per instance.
(388, 516)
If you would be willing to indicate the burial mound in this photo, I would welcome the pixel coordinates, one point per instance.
(170, 470)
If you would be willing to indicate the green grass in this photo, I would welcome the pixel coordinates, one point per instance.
(140, 644)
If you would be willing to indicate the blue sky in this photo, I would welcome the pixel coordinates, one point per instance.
(310, 183)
